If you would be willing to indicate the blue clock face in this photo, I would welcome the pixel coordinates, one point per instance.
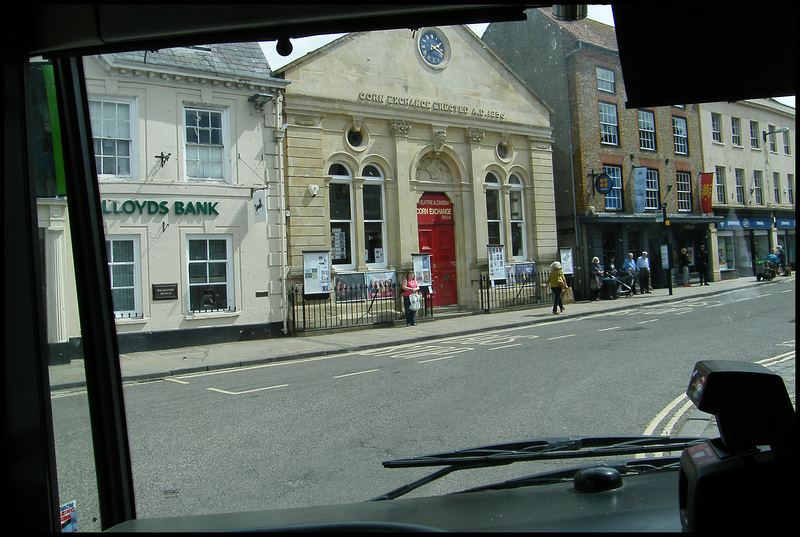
(432, 48)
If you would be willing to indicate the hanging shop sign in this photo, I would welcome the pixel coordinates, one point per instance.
(706, 189)
(639, 189)
(603, 184)
(142, 207)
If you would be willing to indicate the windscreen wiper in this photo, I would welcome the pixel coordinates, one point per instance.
(635, 467)
(534, 450)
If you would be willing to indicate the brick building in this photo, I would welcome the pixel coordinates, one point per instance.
(650, 158)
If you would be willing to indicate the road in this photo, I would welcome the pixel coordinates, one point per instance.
(314, 431)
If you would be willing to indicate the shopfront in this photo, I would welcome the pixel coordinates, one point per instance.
(740, 243)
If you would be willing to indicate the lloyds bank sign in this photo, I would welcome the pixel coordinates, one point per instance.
(142, 207)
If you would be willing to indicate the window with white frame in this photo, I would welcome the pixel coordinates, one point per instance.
(683, 191)
(758, 182)
(680, 135)
(340, 204)
(374, 218)
(776, 186)
(787, 147)
(122, 254)
(494, 215)
(738, 175)
(516, 205)
(652, 195)
(113, 128)
(613, 199)
(205, 144)
(609, 125)
(716, 127)
(606, 80)
(720, 176)
(754, 134)
(790, 188)
(736, 131)
(647, 130)
(210, 274)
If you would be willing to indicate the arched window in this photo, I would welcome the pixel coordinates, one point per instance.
(340, 199)
(374, 217)
(516, 205)
(494, 214)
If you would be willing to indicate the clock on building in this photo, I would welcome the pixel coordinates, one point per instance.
(434, 48)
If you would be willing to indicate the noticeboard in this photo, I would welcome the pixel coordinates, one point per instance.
(566, 260)
(497, 262)
(316, 272)
(422, 269)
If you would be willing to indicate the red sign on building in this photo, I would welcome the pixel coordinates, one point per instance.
(706, 190)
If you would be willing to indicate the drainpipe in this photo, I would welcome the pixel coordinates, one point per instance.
(578, 244)
(279, 135)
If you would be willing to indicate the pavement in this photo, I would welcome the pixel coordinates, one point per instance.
(151, 365)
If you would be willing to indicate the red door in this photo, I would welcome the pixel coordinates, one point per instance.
(437, 238)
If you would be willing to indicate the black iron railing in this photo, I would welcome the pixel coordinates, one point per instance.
(513, 292)
(351, 306)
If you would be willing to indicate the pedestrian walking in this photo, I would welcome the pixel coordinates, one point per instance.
(781, 258)
(596, 282)
(410, 287)
(703, 264)
(643, 271)
(557, 284)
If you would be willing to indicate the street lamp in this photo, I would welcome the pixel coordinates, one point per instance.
(764, 134)
(776, 131)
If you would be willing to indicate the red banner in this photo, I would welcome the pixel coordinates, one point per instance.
(706, 190)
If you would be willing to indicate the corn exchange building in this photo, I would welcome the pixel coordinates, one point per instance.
(406, 142)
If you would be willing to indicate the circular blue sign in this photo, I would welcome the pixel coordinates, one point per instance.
(603, 183)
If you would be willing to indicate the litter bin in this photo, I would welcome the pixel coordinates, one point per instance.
(758, 267)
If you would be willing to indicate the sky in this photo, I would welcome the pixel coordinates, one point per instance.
(302, 46)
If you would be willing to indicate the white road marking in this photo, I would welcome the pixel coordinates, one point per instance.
(357, 373)
(226, 392)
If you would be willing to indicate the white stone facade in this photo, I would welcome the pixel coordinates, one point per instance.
(193, 156)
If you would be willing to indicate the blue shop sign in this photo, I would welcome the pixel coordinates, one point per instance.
(745, 223)
(784, 223)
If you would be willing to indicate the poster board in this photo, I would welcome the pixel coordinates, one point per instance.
(382, 284)
(422, 269)
(497, 262)
(316, 272)
(350, 287)
(566, 260)
(524, 273)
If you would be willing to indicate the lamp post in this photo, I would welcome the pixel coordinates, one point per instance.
(764, 134)
(666, 242)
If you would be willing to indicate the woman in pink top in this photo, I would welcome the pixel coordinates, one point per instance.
(409, 285)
